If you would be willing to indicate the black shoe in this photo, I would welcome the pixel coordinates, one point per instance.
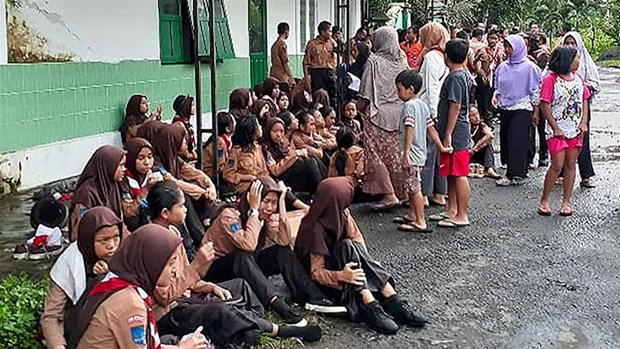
(402, 312)
(324, 306)
(378, 320)
(285, 311)
(249, 338)
(309, 333)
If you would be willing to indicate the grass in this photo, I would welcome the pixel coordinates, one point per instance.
(268, 342)
(614, 63)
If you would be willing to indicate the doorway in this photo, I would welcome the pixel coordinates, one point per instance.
(257, 12)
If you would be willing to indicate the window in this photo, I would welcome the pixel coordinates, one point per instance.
(175, 29)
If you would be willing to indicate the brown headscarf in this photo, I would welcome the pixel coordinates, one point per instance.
(269, 186)
(149, 129)
(133, 147)
(256, 108)
(278, 150)
(133, 115)
(166, 146)
(95, 219)
(96, 186)
(238, 103)
(321, 96)
(433, 36)
(269, 84)
(299, 102)
(325, 224)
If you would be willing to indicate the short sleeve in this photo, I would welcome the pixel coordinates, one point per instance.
(546, 89)
(456, 89)
(409, 115)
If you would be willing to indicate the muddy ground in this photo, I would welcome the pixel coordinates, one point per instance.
(511, 280)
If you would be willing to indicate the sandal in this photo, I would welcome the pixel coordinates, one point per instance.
(412, 228)
(402, 220)
(566, 213)
(587, 183)
(449, 223)
(383, 207)
(437, 217)
(435, 203)
(544, 212)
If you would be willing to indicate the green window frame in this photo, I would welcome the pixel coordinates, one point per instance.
(175, 33)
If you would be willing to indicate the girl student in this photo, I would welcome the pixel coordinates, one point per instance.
(349, 159)
(117, 312)
(349, 118)
(564, 104)
(239, 237)
(229, 312)
(135, 116)
(283, 102)
(325, 138)
(263, 111)
(76, 271)
(300, 173)
(184, 107)
(99, 185)
(225, 130)
(332, 248)
(290, 124)
(329, 118)
(139, 178)
(302, 138)
(239, 103)
(301, 101)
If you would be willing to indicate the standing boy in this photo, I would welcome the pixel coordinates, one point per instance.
(416, 120)
(453, 121)
(280, 69)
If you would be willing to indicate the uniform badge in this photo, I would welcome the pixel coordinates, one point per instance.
(230, 163)
(269, 160)
(220, 153)
(235, 227)
(83, 212)
(138, 335)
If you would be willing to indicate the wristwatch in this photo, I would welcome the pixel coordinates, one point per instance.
(252, 212)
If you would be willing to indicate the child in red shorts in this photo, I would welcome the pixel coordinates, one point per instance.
(564, 103)
(454, 128)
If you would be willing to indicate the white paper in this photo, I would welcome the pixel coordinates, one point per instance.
(355, 83)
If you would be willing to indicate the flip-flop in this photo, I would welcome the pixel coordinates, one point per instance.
(402, 220)
(412, 228)
(438, 217)
(543, 213)
(566, 214)
(449, 223)
(435, 203)
(383, 207)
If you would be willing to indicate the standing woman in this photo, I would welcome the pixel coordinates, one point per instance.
(434, 71)
(184, 108)
(517, 95)
(135, 116)
(589, 72)
(383, 174)
(99, 185)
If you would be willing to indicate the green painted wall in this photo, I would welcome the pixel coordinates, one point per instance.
(44, 103)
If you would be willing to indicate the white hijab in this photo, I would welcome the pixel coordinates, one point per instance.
(587, 69)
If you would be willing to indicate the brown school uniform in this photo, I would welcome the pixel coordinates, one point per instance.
(301, 140)
(277, 168)
(355, 163)
(53, 317)
(240, 163)
(112, 323)
(328, 139)
(279, 63)
(208, 157)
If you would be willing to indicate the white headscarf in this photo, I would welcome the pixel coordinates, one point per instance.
(587, 69)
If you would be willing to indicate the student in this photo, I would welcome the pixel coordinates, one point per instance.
(280, 69)
(453, 126)
(239, 238)
(564, 104)
(302, 138)
(225, 130)
(149, 129)
(239, 103)
(189, 302)
(139, 178)
(135, 116)
(301, 101)
(271, 88)
(117, 312)
(99, 185)
(349, 159)
(263, 111)
(360, 53)
(76, 271)
(329, 118)
(326, 139)
(481, 153)
(349, 118)
(332, 248)
(283, 102)
(290, 124)
(293, 166)
(416, 122)
(184, 107)
(321, 97)
(518, 107)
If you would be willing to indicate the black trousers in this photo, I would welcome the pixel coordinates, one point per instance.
(193, 222)
(484, 95)
(514, 139)
(255, 269)
(346, 251)
(484, 157)
(543, 150)
(304, 176)
(223, 322)
(586, 169)
(324, 78)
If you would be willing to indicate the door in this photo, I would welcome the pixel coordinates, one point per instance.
(258, 40)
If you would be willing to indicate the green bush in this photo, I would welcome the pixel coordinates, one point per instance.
(21, 303)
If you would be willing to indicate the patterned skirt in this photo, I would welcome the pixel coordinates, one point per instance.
(382, 162)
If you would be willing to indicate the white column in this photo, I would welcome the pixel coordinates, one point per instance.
(3, 34)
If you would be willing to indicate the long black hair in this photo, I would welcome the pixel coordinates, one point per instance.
(345, 138)
(162, 195)
(182, 105)
(245, 133)
(224, 121)
(561, 59)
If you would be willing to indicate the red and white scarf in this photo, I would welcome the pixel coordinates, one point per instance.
(113, 283)
(135, 186)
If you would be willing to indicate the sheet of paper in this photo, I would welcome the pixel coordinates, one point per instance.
(355, 83)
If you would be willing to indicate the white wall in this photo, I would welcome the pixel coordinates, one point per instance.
(237, 12)
(3, 43)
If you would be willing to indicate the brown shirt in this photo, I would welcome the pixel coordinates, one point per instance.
(320, 54)
(354, 166)
(53, 317)
(208, 157)
(277, 168)
(242, 164)
(327, 139)
(300, 140)
(279, 62)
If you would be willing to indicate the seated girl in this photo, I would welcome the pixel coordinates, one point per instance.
(321, 97)
(184, 107)
(139, 178)
(482, 153)
(290, 124)
(271, 91)
(229, 312)
(225, 130)
(329, 117)
(75, 273)
(300, 173)
(239, 103)
(149, 129)
(301, 101)
(239, 238)
(302, 137)
(99, 185)
(325, 138)
(135, 116)
(283, 102)
(117, 312)
(332, 248)
(349, 159)
(263, 111)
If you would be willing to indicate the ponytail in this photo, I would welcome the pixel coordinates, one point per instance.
(341, 159)
(345, 138)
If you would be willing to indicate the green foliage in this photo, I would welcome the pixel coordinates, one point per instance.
(21, 302)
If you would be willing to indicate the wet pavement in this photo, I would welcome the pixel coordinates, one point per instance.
(511, 280)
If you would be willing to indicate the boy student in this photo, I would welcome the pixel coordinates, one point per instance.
(453, 122)
(416, 121)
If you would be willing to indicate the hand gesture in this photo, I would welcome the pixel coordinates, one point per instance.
(100, 268)
(449, 149)
(210, 194)
(283, 188)
(204, 257)
(558, 133)
(153, 179)
(353, 276)
(535, 120)
(254, 194)
(447, 142)
(222, 293)
(195, 340)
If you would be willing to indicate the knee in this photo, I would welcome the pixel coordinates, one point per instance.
(244, 258)
(556, 167)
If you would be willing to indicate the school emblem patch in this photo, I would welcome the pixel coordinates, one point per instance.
(235, 227)
(220, 153)
(138, 335)
(230, 163)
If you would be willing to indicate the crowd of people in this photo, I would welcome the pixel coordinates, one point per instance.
(158, 258)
